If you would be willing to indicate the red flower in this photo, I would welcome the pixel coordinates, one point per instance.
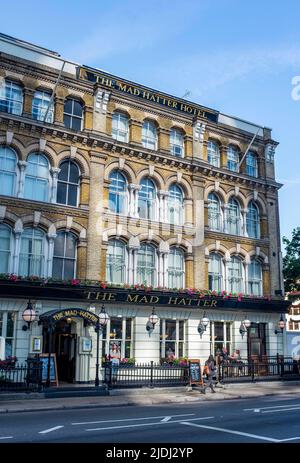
(75, 282)
(103, 285)
(13, 277)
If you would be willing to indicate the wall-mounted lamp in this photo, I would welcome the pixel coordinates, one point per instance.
(245, 324)
(203, 324)
(281, 325)
(153, 319)
(29, 316)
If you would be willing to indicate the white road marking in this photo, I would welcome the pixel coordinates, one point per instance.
(274, 406)
(289, 409)
(133, 419)
(256, 410)
(8, 437)
(229, 431)
(167, 418)
(50, 430)
(147, 424)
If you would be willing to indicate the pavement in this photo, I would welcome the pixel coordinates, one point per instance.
(30, 402)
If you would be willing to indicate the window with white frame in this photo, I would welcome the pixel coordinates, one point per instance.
(175, 205)
(214, 212)
(117, 339)
(147, 200)
(220, 336)
(177, 142)
(213, 153)
(149, 135)
(32, 252)
(120, 127)
(7, 331)
(37, 177)
(5, 248)
(255, 278)
(252, 221)
(64, 256)
(73, 114)
(118, 193)
(40, 103)
(68, 183)
(172, 339)
(235, 275)
(233, 217)
(8, 171)
(232, 158)
(116, 262)
(11, 98)
(251, 164)
(176, 268)
(146, 265)
(215, 272)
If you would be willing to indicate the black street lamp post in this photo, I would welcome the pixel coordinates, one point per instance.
(103, 319)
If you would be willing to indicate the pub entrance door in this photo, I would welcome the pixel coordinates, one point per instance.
(257, 341)
(64, 346)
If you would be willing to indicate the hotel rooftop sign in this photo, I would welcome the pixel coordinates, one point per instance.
(145, 93)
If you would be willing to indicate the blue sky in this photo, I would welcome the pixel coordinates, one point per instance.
(234, 56)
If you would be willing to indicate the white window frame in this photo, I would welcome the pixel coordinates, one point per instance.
(257, 282)
(176, 272)
(164, 343)
(228, 343)
(14, 105)
(114, 189)
(251, 222)
(233, 220)
(232, 158)
(213, 153)
(177, 143)
(252, 166)
(149, 137)
(213, 275)
(119, 132)
(151, 202)
(10, 250)
(114, 261)
(176, 202)
(37, 178)
(214, 212)
(145, 268)
(72, 115)
(64, 258)
(9, 173)
(235, 284)
(3, 332)
(107, 339)
(43, 255)
(40, 103)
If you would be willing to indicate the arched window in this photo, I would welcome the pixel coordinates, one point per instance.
(213, 153)
(214, 212)
(68, 183)
(116, 262)
(64, 256)
(252, 221)
(232, 158)
(120, 127)
(32, 252)
(233, 217)
(147, 200)
(117, 192)
(177, 142)
(11, 98)
(5, 248)
(255, 278)
(146, 265)
(37, 177)
(40, 104)
(73, 114)
(176, 268)
(251, 164)
(149, 135)
(8, 168)
(215, 274)
(235, 275)
(175, 205)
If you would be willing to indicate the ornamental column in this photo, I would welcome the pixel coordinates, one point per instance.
(130, 277)
(22, 165)
(17, 249)
(244, 224)
(84, 192)
(55, 171)
(198, 139)
(49, 264)
(188, 212)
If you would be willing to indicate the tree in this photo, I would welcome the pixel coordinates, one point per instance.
(291, 262)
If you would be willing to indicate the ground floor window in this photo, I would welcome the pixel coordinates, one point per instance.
(172, 339)
(220, 336)
(117, 339)
(7, 331)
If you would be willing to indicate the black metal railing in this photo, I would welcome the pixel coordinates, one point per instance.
(259, 369)
(21, 377)
(145, 374)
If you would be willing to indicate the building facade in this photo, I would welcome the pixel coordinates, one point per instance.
(117, 194)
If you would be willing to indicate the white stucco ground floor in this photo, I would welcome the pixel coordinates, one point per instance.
(175, 336)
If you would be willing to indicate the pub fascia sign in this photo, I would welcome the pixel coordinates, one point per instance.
(150, 299)
(146, 94)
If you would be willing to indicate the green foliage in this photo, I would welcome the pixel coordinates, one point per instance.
(291, 262)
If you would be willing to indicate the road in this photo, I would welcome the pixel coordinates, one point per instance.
(261, 420)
